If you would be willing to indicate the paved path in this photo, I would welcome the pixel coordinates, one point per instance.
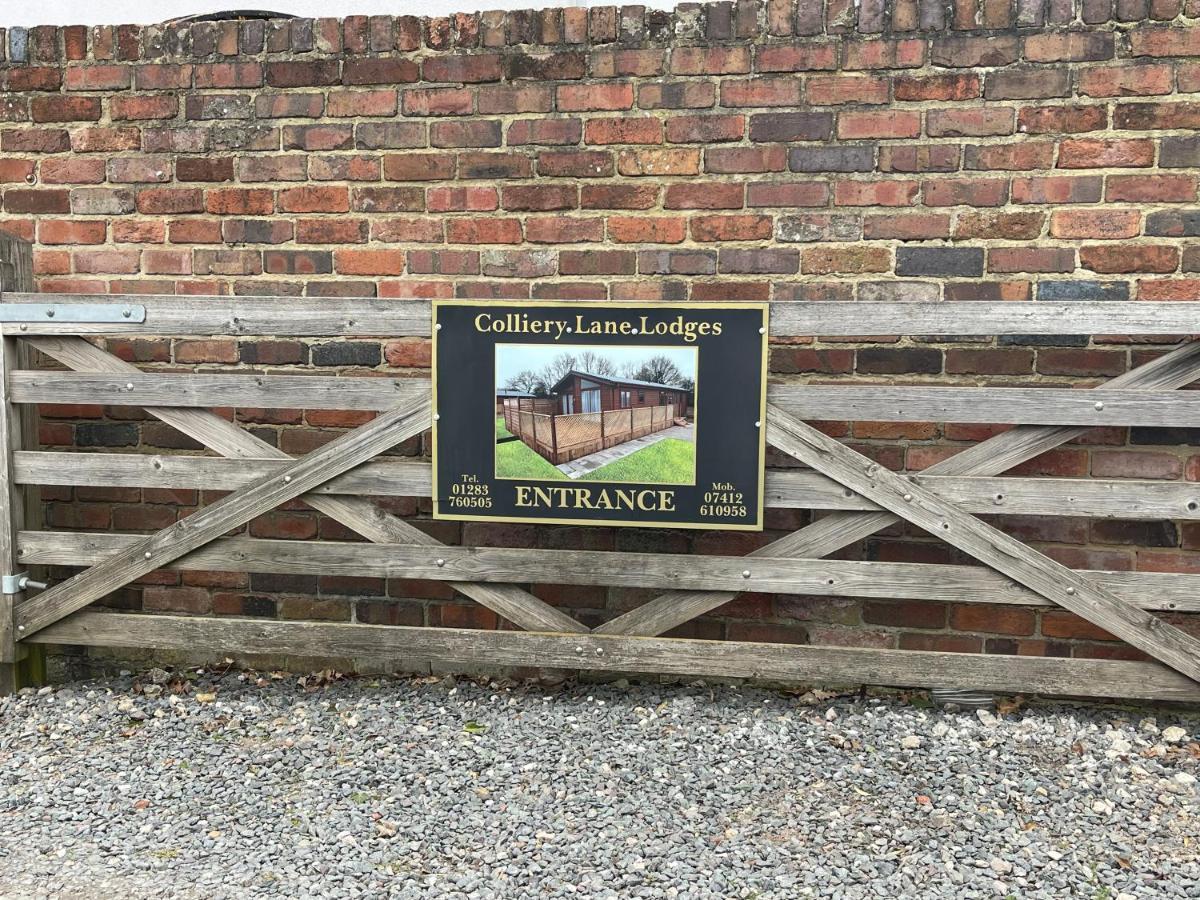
(236, 788)
(578, 467)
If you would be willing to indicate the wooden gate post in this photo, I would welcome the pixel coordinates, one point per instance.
(20, 664)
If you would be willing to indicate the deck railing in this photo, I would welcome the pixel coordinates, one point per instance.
(560, 438)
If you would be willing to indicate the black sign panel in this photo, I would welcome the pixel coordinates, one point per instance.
(600, 413)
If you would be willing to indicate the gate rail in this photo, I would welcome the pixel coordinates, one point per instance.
(860, 498)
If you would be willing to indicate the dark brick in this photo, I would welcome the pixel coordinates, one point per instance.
(105, 434)
(952, 261)
(347, 353)
(899, 361)
(794, 126)
(1174, 223)
(860, 158)
(1083, 290)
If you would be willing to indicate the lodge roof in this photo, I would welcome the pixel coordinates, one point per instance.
(509, 392)
(611, 379)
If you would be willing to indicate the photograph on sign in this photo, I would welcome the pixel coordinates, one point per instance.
(619, 414)
(591, 413)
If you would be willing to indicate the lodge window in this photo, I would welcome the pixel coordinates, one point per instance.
(624, 399)
(641, 396)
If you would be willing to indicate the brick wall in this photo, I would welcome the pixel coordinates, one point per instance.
(1035, 150)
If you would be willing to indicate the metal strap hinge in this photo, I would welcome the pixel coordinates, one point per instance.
(72, 312)
(15, 584)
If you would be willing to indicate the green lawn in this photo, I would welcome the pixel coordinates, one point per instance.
(670, 461)
(515, 460)
(501, 431)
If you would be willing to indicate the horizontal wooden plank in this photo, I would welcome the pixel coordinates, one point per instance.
(236, 316)
(362, 317)
(910, 403)
(715, 659)
(818, 577)
(999, 405)
(785, 489)
(202, 389)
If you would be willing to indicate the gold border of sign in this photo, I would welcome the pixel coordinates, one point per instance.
(764, 310)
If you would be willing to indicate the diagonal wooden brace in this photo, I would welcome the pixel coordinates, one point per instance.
(1038, 572)
(828, 535)
(209, 523)
(356, 513)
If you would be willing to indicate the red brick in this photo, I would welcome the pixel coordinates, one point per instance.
(368, 262)
(745, 160)
(584, 97)
(825, 90)
(904, 53)
(294, 73)
(437, 102)
(1057, 189)
(906, 227)
(575, 164)
(659, 162)
(563, 229)
(240, 202)
(623, 130)
(956, 86)
(118, 262)
(545, 131)
(331, 231)
(875, 193)
(646, 229)
(705, 129)
(144, 107)
(1061, 119)
(707, 229)
(62, 231)
(597, 262)
(65, 109)
(1160, 188)
(97, 78)
(803, 57)
(1126, 80)
(1013, 620)
(710, 60)
(968, 122)
(762, 92)
(845, 260)
(1099, 224)
(462, 199)
(1127, 258)
(463, 69)
(881, 124)
(483, 231)
(380, 70)
(242, 74)
(965, 192)
(20, 200)
(711, 195)
(314, 199)
(1031, 259)
(1098, 153)
(1069, 46)
(362, 103)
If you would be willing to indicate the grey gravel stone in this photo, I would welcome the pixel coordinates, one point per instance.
(245, 786)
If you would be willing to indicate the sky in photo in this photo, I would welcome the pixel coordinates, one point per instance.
(512, 358)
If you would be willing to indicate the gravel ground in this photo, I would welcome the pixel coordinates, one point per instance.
(249, 786)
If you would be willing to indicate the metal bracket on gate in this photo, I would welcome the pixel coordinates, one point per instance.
(15, 584)
(72, 312)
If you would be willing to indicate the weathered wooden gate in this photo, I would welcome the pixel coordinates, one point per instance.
(862, 498)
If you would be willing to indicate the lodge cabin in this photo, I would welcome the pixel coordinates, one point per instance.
(583, 392)
(503, 394)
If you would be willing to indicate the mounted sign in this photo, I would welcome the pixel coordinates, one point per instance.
(599, 413)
